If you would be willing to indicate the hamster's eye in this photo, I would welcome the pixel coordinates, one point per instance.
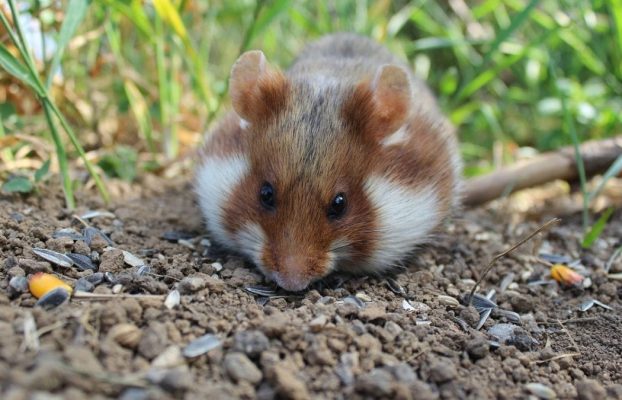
(337, 206)
(266, 195)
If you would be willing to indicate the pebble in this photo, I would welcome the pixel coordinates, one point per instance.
(125, 334)
(288, 385)
(252, 343)
(470, 316)
(240, 368)
(176, 380)
(172, 299)
(318, 323)
(19, 284)
(16, 271)
(442, 370)
(477, 347)
(589, 389)
(376, 383)
(169, 358)
(84, 285)
(96, 278)
(201, 345)
(372, 313)
(540, 391)
(32, 266)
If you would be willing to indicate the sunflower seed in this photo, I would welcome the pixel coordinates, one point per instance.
(53, 257)
(53, 298)
(97, 213)
(407, 306)
(261, 291)
(354, 300)
(201, 346)
(131, 259)
(172, 300)
(556, 258)
(506, 281)
(68, 232)
(395, 287)
(507, 314)
(482, 303)
(483, 317)
(589, 303)
(84, 285)
(110, 278)
(90, 232)
(143, 270)
(541, 391)
(96, 278)
(81, 261)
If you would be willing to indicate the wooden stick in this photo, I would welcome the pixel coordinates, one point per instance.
(597, 156)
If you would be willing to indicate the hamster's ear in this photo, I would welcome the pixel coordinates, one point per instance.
(380, 107)
(257, 90)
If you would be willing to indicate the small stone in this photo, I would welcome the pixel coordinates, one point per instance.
(442, 370)
(18, 284)
(33, 266)
(470, 316)
(118, 288)
(252, 343)
(176, 380)
(522, 304)
(240, 368)
(540, 391)
(84, 285)
(608, 289)
(403, 373)
(377, 383)
(169, 358)
(96, 278)
(217, 266)
(363, 297)
(153, 341)
(288, 385)
(589, 389)
(191, 284)
(477, 347)
(393, 328)
(16, 271)
(318, 323)
(372, 313)
(127, 335)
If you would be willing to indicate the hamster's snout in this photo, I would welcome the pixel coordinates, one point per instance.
(291, 282)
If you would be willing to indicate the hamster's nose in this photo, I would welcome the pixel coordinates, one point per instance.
(291, 282)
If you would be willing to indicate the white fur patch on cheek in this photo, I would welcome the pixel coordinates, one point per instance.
(216, 179)
(405, 216)
(250, 241)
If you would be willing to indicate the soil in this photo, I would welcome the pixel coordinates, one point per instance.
(344, 338)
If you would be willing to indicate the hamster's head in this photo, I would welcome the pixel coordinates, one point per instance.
(293, 198)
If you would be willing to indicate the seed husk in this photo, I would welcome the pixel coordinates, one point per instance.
(53, 257)
(53, 298)
(81, 261)
(541, 391)
(173, 299)
(201, 346)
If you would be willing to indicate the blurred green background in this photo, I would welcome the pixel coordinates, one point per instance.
(140, 81)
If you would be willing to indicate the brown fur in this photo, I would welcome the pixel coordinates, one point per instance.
(311, 143)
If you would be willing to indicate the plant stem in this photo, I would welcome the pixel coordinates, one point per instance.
(61, 156)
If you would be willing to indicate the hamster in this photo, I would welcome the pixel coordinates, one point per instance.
(342, 163)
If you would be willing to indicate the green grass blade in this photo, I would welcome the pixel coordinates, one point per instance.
(61, 155)
(74, 15)
(616, 11)
(595, 231)
(614, 169)
(266, 18)
(505, 33)
(14, 67)
(76, 143)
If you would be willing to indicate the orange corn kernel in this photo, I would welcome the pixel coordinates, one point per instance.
(41, 283)
(565, 275)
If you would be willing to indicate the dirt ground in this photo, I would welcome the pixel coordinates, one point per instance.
(345, 338)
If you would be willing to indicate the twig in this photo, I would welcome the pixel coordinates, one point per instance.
(508, 251)
(104, 296)
(557, 357)
(597, 155)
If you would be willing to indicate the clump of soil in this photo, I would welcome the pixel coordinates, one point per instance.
(344, 338)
